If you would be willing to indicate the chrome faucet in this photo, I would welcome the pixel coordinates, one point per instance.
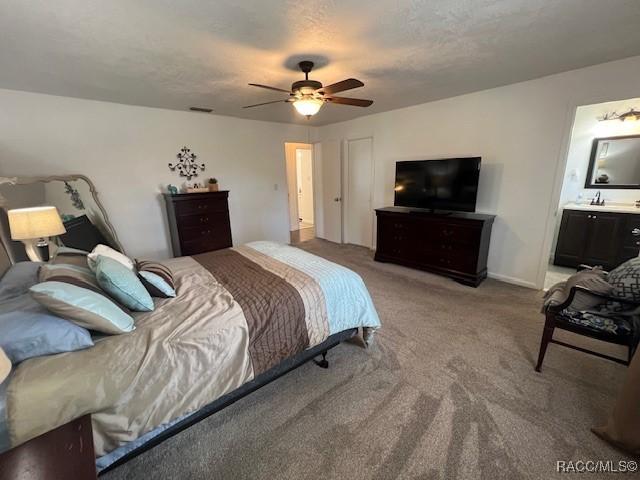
(597, 201)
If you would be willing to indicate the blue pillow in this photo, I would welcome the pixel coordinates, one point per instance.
(156, 285)
(28, 330)
(122, 284)
(18, 279)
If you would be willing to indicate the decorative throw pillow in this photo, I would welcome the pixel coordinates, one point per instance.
(78, 276)
(83, 307)
(105, 251)
(28, 330)
(593, 279)
(156, 278)
(70, 256)
(18, 279)
(626, 281)
(122, 284)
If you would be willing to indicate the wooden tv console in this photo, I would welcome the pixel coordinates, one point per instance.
(453, 244)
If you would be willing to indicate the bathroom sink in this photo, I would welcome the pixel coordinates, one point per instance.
(613, 207)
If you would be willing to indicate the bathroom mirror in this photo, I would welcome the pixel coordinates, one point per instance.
(614, 163)
(85, 219)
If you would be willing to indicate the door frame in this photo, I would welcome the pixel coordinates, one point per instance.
(292, 207)
(345, 187)
(561, 165)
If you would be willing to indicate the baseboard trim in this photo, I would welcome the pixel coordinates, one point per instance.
(512, 280)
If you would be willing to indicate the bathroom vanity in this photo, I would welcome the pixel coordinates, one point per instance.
(598, 235)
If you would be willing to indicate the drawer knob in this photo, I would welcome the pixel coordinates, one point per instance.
(635, 232)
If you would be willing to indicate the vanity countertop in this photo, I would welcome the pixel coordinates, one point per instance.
(608, 207)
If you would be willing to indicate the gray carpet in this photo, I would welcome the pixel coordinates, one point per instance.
(447, 392)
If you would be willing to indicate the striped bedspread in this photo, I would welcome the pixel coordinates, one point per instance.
(238, 312)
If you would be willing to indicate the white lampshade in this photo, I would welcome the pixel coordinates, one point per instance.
(308, 105)
(5, 366)
(36, 222)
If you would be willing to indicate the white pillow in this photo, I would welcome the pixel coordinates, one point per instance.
(108, 252)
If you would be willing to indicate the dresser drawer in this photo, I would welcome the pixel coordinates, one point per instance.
(458, 261)
(197, 206)
(206, 244)
(202, 219)
(204, 231)
(457, 234)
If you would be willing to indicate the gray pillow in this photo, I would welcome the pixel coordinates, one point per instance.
(28, 330)
(18, 279)
(83, 307)
(626, 281)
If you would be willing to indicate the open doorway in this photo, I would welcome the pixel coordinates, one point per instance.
(300, 181)
(596, 214)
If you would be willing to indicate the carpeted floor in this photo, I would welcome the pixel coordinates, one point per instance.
(447, 392)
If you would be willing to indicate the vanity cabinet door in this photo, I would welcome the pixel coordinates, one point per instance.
(572, 239)
(602, 246)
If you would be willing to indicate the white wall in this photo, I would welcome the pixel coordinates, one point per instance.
(125, 151)
(521, 131)
(586, 127)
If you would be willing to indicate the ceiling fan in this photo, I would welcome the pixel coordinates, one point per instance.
(308, 96)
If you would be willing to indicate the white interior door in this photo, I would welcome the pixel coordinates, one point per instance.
(358, 192)
(331, 191)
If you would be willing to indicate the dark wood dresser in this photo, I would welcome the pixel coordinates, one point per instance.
(198, 222)
(597, 238)
(452, 244)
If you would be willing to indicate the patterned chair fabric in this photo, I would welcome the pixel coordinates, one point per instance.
(626, 282)
(617, 326)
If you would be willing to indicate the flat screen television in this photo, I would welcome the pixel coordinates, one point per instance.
(449, 184)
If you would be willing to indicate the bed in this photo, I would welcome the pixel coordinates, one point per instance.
(242, 317)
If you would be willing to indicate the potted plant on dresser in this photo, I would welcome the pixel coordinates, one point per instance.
(213, 185)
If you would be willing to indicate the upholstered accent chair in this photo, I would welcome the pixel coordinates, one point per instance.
(620, 326)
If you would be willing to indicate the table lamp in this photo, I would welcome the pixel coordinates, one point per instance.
(5, 366)
(33, 226)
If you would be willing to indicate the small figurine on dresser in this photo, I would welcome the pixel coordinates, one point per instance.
(197, 188)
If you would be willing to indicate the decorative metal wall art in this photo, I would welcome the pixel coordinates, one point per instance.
(186, 164)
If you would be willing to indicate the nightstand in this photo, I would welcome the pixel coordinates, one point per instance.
(63, 453)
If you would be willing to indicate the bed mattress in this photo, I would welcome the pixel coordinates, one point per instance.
(238, 313)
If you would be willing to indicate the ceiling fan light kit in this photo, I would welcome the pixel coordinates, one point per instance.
(308, 96)
(308, 106)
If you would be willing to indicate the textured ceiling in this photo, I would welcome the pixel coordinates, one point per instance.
(176, 54)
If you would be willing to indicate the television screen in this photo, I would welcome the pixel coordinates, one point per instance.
(448, 184)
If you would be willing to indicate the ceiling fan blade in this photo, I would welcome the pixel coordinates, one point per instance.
(356, 102)
(269, 88)
(347, 84)
(267, 103)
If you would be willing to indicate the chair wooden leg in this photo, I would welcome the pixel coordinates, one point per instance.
(547, 335)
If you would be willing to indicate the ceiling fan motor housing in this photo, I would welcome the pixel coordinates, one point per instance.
(305, 87)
